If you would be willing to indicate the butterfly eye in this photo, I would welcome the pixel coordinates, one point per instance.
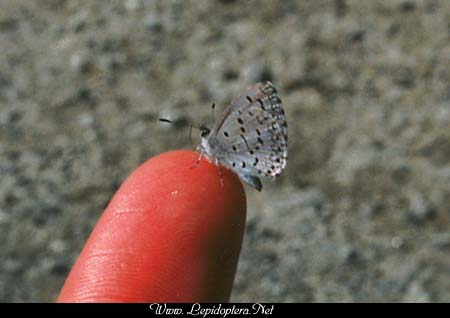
(204, 131)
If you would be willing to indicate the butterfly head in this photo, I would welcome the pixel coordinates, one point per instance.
(205, 145)
(204, 131)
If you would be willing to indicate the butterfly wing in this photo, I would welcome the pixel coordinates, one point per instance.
(252, 135)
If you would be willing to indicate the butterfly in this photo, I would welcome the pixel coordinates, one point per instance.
(250, 137)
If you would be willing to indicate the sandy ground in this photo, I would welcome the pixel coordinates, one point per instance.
(362, 212)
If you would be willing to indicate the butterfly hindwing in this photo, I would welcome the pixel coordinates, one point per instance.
(252, 134)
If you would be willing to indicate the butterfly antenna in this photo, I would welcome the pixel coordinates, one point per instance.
(165, 120)
(213, 117)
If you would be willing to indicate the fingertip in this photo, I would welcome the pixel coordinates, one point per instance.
(171, 233)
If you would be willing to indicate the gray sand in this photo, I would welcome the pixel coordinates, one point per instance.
(362, 212)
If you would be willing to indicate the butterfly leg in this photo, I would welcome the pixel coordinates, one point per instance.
(220, 172)
(200, 157)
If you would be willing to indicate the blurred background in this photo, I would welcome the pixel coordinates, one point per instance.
(362, 212)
